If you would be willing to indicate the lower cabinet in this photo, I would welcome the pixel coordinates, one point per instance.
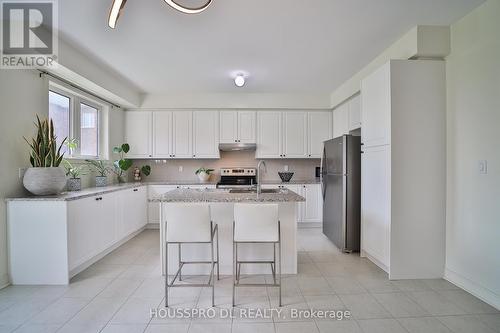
(312, 209)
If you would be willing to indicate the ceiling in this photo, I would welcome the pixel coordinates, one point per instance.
(285, 46)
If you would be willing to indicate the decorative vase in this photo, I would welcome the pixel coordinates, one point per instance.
(203, 176)
(74, 184)
(44, 181)
(101, 181)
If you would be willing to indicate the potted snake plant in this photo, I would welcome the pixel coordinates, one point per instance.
(102, 171)
(45, 176)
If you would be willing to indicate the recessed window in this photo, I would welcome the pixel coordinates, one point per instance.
(77, 118)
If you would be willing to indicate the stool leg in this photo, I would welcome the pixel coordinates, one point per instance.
(212, 272)
(217, 231)
(180, 272)
(279, 255)
(166, 274)
(234, 269)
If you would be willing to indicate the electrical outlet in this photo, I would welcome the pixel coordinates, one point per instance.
(21, 172)
(483, 167)
(286, 168)
(181, 169)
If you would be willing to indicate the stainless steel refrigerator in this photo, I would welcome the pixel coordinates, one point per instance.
(341, 186)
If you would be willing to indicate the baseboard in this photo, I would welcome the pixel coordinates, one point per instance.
(375, 261)
(154, 225)
(94, 259)
(484, 294)
(309, 224)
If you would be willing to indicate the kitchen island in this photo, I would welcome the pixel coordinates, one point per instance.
(222, 203)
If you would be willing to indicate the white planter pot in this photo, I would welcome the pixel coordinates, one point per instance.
(203, 177)
(44, 181)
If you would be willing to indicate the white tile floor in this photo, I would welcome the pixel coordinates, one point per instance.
(117, 293)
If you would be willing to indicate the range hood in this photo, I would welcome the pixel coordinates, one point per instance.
(237, 146)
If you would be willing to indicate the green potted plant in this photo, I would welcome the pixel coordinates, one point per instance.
(45, 177)
(204, 174)
(75, 173)
(123, 164)
(102, 170)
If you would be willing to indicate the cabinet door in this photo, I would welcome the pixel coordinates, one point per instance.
(375, 202)
(106, 232)
(246, 126)
(182, 138)
(376, 107)
(269, 134)
(341, 120)
(312, 210)
(295, 134)
(228, 126)
(355, 113)
(83, 227)
(138, 133)
(205, 134)
(319, 130)
(162, 134)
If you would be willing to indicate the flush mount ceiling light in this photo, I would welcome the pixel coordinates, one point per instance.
(239, 80)
(117, 8)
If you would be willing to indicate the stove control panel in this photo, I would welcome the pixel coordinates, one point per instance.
(238, 172)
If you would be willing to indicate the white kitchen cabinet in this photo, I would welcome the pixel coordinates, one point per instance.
(375, 202)
(355, 113)
(269, 135)
(341, 120)
(404, 168)
(69, 236)
(237, 126)
(246, 126)
(206, 134)
(138, 129)
(162, 134)
(376, 112)
(295, 134)
(182, 134)
(312, 209)
(319, 130)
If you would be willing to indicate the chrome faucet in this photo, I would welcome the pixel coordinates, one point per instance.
(259, 185)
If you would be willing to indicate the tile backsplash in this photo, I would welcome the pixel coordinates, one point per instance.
(170, 170)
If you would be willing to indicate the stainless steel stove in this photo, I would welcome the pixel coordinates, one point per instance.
(237, 178)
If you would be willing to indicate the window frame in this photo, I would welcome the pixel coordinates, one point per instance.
(76, 99)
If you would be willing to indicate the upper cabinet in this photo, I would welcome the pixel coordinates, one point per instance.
(138, 133)
(376, 111)
(172, 134)
(347, 116)
(319, 130)
(341, 120)
(162, 135)
(292, 134)
(355, 112)
(269, 135)
(206, 134)
(182, 134)
(237, 126)
(295, 134)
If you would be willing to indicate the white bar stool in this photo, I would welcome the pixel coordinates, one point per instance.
(256, 223)
(190, 223)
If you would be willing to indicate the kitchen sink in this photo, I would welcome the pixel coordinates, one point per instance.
(264, 190)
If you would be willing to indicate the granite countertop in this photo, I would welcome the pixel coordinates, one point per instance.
(93, 191)
(223, 196)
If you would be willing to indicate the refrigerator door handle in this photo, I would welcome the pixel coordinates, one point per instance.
(323, 187)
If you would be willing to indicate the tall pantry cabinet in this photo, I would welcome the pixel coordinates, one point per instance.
(404, 168)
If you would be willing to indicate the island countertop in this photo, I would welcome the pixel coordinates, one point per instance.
(224, 196)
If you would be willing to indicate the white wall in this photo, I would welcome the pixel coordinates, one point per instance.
(473, 121)
(22, 95)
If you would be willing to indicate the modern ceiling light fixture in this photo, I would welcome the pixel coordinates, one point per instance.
(117, 8)
(239, 80)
